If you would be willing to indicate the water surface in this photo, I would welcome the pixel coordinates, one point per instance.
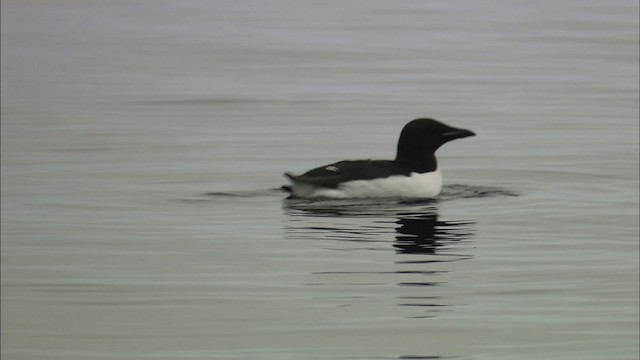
(142, 143)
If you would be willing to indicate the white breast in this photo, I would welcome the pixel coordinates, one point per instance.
(417, 185)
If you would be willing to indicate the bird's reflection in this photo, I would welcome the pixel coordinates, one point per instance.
(417, 229)
(424, 234)
(422, 242)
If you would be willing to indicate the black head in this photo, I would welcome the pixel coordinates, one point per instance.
(420, 139)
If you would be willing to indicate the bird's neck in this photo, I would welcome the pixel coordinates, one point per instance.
(420, 163)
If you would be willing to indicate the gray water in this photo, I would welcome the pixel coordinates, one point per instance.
(143, 145)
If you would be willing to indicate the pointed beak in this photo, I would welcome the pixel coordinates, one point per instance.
(457, 134)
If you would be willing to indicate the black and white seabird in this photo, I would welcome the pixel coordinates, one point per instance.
(413, 174)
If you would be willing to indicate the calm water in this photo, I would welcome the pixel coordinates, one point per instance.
(142, 143)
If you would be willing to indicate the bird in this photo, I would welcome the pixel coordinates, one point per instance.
(413, 174)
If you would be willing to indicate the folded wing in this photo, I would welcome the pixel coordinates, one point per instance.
(331, 176)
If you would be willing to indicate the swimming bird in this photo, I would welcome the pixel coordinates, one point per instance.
(413, 174)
